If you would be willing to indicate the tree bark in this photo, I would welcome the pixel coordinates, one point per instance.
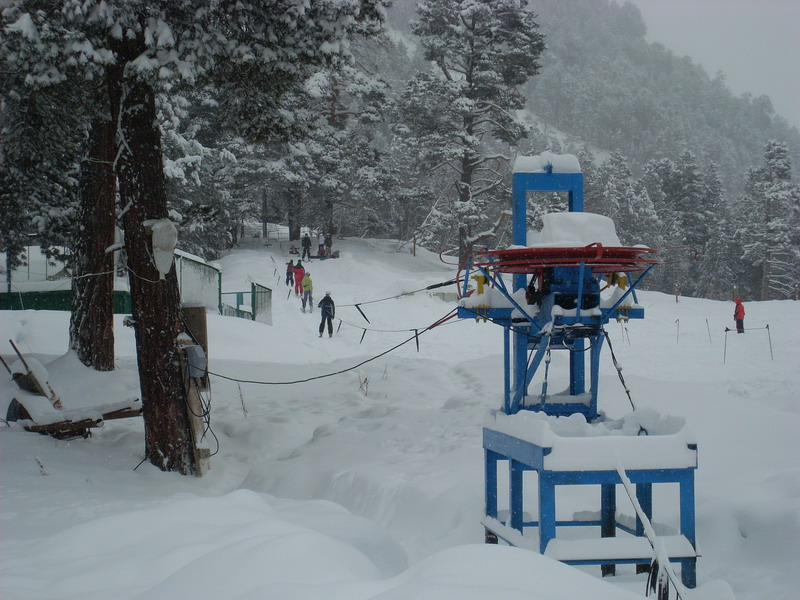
(92, 320)
(465, 195)
(155, 302)
(294, 214)
(765, 276)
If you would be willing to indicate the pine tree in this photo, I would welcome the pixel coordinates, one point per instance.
(660, 180)
(481, 53)
(253, 53)
(770, 241)
(716, 276)
(614, 178)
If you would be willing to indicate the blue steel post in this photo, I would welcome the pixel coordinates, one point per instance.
(547, 510)
(594, 369)
(608, 518)
(491, 483)
(506, 370)
(644, 495)
(575, 195)
(577, 369)
(688, 566)
(515, 470)
(520, 238)
(577, 362)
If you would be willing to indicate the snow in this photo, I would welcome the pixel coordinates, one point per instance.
(369, 484)
(574, 444)
(565, 229)
(24, 25)
(559, 163)
(165, 238)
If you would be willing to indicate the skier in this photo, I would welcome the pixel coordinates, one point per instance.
(306, 248)
(738, 315)
(328, 309)
(308, 287)
(290, 273)
(299, 272)
(321, 245)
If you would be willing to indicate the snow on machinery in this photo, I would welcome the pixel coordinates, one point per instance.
(567, 282)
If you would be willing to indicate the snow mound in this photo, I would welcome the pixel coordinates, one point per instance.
(547, 161)
(567, 229)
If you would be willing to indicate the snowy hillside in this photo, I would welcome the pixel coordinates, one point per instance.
(369, 483)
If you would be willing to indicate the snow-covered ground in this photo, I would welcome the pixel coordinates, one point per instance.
(369, 483)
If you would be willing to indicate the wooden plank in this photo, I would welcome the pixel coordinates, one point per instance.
(66, 429)
(123, 413)
(614, 549)
(621, 549)
(43, 387)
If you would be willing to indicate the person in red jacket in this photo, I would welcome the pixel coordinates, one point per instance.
(738, 315)
(299, 272)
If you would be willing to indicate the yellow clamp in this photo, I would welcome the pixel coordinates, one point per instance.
(481, 313)
(481, 280)
(618, 279)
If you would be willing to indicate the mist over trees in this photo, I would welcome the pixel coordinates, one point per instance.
(382, 144)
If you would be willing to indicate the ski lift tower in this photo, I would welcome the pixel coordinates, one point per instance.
(565, 287)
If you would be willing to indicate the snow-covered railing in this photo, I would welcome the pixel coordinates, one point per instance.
(200, 282)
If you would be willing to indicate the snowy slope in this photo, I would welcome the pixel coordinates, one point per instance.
(369, 484)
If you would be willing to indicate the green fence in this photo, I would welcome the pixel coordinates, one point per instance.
(262, 303)
(200, 283)
(255, 305)
(56, 300)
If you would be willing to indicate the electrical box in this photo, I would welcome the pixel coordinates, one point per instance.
(196, 359)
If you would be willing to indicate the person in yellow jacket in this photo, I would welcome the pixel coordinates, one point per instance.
(308, 287)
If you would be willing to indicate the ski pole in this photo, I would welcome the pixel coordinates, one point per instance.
(709, 332)
(678, 331)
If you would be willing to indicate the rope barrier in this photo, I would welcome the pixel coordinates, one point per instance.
(415, 337)
(728, 329)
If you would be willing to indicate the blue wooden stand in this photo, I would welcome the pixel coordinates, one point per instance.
(522, 455)
(529, 336)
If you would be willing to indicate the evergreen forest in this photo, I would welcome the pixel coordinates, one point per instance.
(405, 126)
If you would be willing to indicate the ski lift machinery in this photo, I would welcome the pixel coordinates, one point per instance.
(564, 310)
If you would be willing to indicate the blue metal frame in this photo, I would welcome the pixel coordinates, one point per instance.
(524, 456)
(526, 343)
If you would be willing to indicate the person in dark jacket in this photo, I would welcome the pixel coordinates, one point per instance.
(328, 310)
(290, 273)
(738, 315)
(306, 247)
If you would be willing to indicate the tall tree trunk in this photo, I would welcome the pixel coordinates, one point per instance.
(155, 302)
(766, 270)
(464, 196)
(91, 328)
(295, 204)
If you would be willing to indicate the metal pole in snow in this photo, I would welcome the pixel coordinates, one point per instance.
(678, 331)
(709, 332)
(769, 337)
(725, 349)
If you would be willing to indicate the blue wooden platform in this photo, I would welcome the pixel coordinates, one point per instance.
(630, 548)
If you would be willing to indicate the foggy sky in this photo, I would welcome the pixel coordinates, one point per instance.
(755, 43)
